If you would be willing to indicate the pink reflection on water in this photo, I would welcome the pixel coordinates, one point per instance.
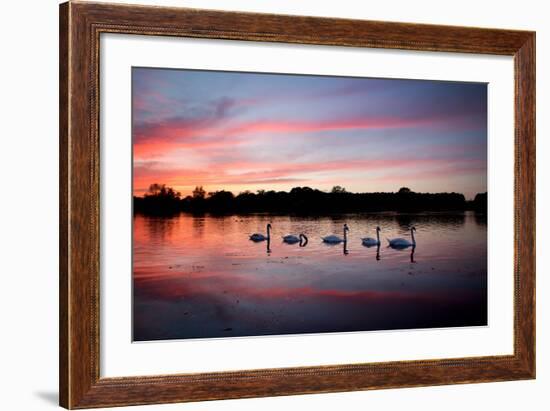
(200, 276)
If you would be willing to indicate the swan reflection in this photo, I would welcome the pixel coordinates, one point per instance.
(345, 249)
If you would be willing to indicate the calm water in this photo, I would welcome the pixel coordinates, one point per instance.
(200, 276)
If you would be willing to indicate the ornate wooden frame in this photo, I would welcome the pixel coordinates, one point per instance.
(80, 27)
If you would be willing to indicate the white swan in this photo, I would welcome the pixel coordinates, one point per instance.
(260, 237)
(401, 242)
(334, 239)
(370, 242)
(293, 239)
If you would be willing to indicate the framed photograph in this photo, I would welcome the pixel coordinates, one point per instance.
(259, 205)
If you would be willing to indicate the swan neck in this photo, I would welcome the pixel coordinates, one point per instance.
(378, 236)
(268, 230)
(412, 235)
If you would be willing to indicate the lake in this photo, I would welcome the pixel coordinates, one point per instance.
(201, 276)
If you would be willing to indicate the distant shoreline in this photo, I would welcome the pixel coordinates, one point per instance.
(162, 200)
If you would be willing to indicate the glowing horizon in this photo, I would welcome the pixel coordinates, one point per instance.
(238, 131)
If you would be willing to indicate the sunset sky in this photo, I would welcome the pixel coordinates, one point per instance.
(248, 131)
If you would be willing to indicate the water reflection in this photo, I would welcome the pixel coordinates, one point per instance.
(336, 244)
(198, 226)
(453, 221)
(371, 245)
(401, 247)
(481, 219)
(201, 276)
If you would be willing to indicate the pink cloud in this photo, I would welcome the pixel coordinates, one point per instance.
(327, 125)
(217, 131)
(228, 173)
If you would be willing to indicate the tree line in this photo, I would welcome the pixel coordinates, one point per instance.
(161, 199)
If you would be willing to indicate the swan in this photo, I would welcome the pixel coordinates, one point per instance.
(401, 242)
(293, 239)
(369, 241)
(334, 239)
(260, 237)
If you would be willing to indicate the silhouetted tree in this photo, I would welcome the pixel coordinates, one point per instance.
(158, 199)
(338, 190)
(161, 191)
(480, 202)
(199, 193)
(221, 201)
(404, 190)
